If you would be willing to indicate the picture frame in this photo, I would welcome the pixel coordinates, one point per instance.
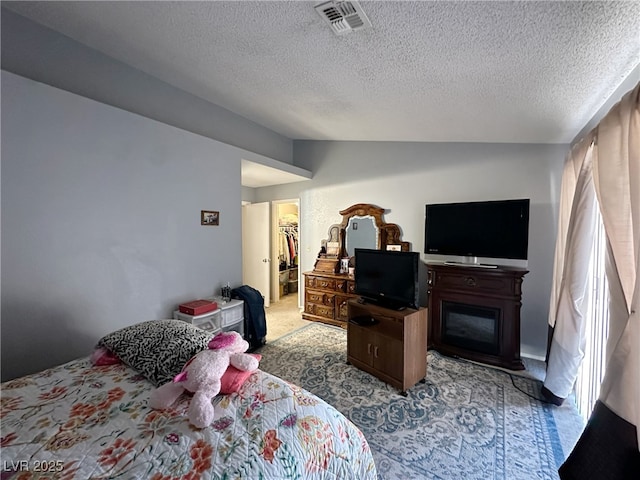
(210, 218)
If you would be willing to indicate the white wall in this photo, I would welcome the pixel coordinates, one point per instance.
(101, 221)
(403, 177)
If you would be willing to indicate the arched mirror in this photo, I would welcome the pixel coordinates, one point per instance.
(362, 227)
(361, 232)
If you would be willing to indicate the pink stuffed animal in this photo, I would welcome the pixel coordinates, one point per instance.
(201, 375)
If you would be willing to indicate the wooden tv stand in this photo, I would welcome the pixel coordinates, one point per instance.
(393, 347)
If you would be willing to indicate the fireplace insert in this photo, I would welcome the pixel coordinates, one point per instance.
(471, 327)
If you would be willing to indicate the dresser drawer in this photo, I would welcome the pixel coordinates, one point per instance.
(325, 311)
(342, 285)
(209, 321)
(326, 296)
(319, 298)
(320, 282)
(342, 307)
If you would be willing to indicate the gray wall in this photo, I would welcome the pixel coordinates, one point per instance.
(403, 177)
(248, 194)
(37, 52)
(101, 222)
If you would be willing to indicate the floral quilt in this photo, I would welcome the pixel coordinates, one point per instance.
(79, 421)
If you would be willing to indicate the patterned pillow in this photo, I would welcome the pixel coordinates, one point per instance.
(158, 349)
(232, 379)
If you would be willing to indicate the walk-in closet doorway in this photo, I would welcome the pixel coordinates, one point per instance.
(283, 305)
(285, 248)
(285, 312)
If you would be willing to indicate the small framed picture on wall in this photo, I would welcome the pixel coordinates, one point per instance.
(209, 217)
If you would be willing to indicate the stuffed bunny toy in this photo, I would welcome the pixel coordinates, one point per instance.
(201, 375)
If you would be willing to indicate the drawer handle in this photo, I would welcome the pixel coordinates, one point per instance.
(471, 282)
(368, 349)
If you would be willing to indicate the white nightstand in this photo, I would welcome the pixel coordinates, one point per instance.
(232, 315)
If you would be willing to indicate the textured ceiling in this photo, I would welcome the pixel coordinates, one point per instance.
(524, 72)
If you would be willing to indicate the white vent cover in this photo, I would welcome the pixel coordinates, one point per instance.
(343, 17)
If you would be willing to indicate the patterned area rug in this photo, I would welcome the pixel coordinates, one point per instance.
(465, 422)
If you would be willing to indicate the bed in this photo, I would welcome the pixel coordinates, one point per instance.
(86, 421)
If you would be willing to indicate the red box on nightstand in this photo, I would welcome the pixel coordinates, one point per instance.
(197, 307)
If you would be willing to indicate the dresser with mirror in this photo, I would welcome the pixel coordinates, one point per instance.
(329, 286)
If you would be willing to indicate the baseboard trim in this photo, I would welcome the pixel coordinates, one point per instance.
(533, 357)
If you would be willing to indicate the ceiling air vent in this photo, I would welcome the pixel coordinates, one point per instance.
(343, 17)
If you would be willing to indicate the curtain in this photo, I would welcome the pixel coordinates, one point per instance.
(568, 306)
(572, 168)
(605, 166)
(617, 180)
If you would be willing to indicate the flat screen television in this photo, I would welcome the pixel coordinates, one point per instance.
(388, 278)
(494, 229)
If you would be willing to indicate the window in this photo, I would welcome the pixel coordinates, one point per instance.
(592, 370)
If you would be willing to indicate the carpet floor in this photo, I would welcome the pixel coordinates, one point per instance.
(467, 421)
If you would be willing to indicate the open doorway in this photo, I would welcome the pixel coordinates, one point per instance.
(284, 314)
(285, 249)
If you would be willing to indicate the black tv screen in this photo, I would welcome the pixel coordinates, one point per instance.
(493, 229)
(389, 278)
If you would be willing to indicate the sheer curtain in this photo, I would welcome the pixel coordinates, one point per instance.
(602, 171)
(568, 307)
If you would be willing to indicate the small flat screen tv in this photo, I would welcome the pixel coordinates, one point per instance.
(388, 278)
(494, 229)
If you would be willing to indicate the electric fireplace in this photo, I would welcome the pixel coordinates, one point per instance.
(474, 313)
(471, 327)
